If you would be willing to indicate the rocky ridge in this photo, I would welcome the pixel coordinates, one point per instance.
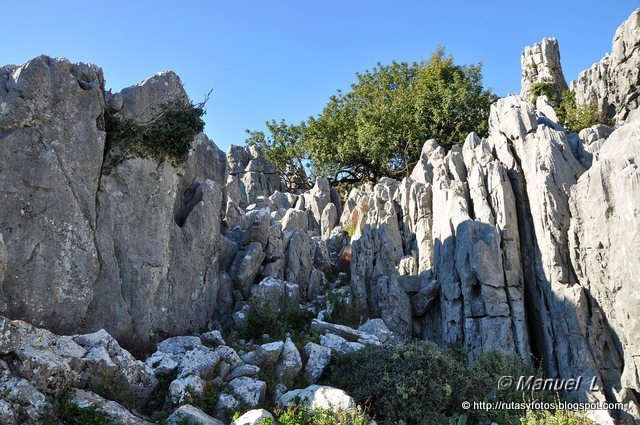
(522, 242)
(612, 83)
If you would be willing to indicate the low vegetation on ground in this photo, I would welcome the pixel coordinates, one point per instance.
(577, 117)
(302, 415)
(345, 309)
(264, 319)
(69, 413)
(559, 417)
(423, 384)
(205, 400)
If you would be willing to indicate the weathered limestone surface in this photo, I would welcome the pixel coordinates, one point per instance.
(613, 82)
(250, 176)
(126, 249)
(605, 255)
(523, 241)
(51, 146)
(157, 235)
(541, 63)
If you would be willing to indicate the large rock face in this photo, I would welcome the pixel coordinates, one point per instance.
(564, 325)
(51, 148)
(153, 269)
(605, 255)
(126, 247)
(613, 82)
(513, 258)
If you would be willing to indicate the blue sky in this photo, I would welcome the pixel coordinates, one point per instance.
(283, 59)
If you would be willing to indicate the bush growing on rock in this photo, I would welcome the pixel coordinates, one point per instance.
(544, 88)
(577, 117)
(206, 400)
(167, 137)
(572, 116)
(345, 309)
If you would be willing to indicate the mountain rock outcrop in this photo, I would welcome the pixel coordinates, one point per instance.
(604, 256)
(250, 176)
(613, 82)
(52, 149)
(120, 245)
(525, 241)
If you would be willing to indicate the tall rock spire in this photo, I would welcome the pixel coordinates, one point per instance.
(541, 63)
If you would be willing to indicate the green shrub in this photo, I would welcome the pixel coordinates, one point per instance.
(158, 417)
(416, 383)
(157, 404)
(423, 384)
(544, 88)
(490, 367)
(559, 417)
(378, 127)
(349, 229)
(572, 116)
(113, 387)
(301, 415)
(344, 312)
(264, 319)
(206, 400)
(72, 414)
(575, 117)
(168, 137)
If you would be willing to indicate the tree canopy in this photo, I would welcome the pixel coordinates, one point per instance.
(378, 127)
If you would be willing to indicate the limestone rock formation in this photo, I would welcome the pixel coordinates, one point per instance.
(254, 417)
(51, 147)
(121, 231)
(110, 409)
(604, 256)
(523, 241)
(3, 259)
(250, 176)
(191, 415)
(144, 261)
(541, 64)
(612, 83)
(320, 397)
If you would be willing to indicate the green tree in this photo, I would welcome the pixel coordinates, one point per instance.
(378, 127)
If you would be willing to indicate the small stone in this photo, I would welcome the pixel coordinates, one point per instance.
(254, 417)
(249, 391)
(192, 415)
(319, 358)
(319, 397)
(213, 338)
(289, 363)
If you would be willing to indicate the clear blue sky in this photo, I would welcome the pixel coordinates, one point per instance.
(283, 59)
